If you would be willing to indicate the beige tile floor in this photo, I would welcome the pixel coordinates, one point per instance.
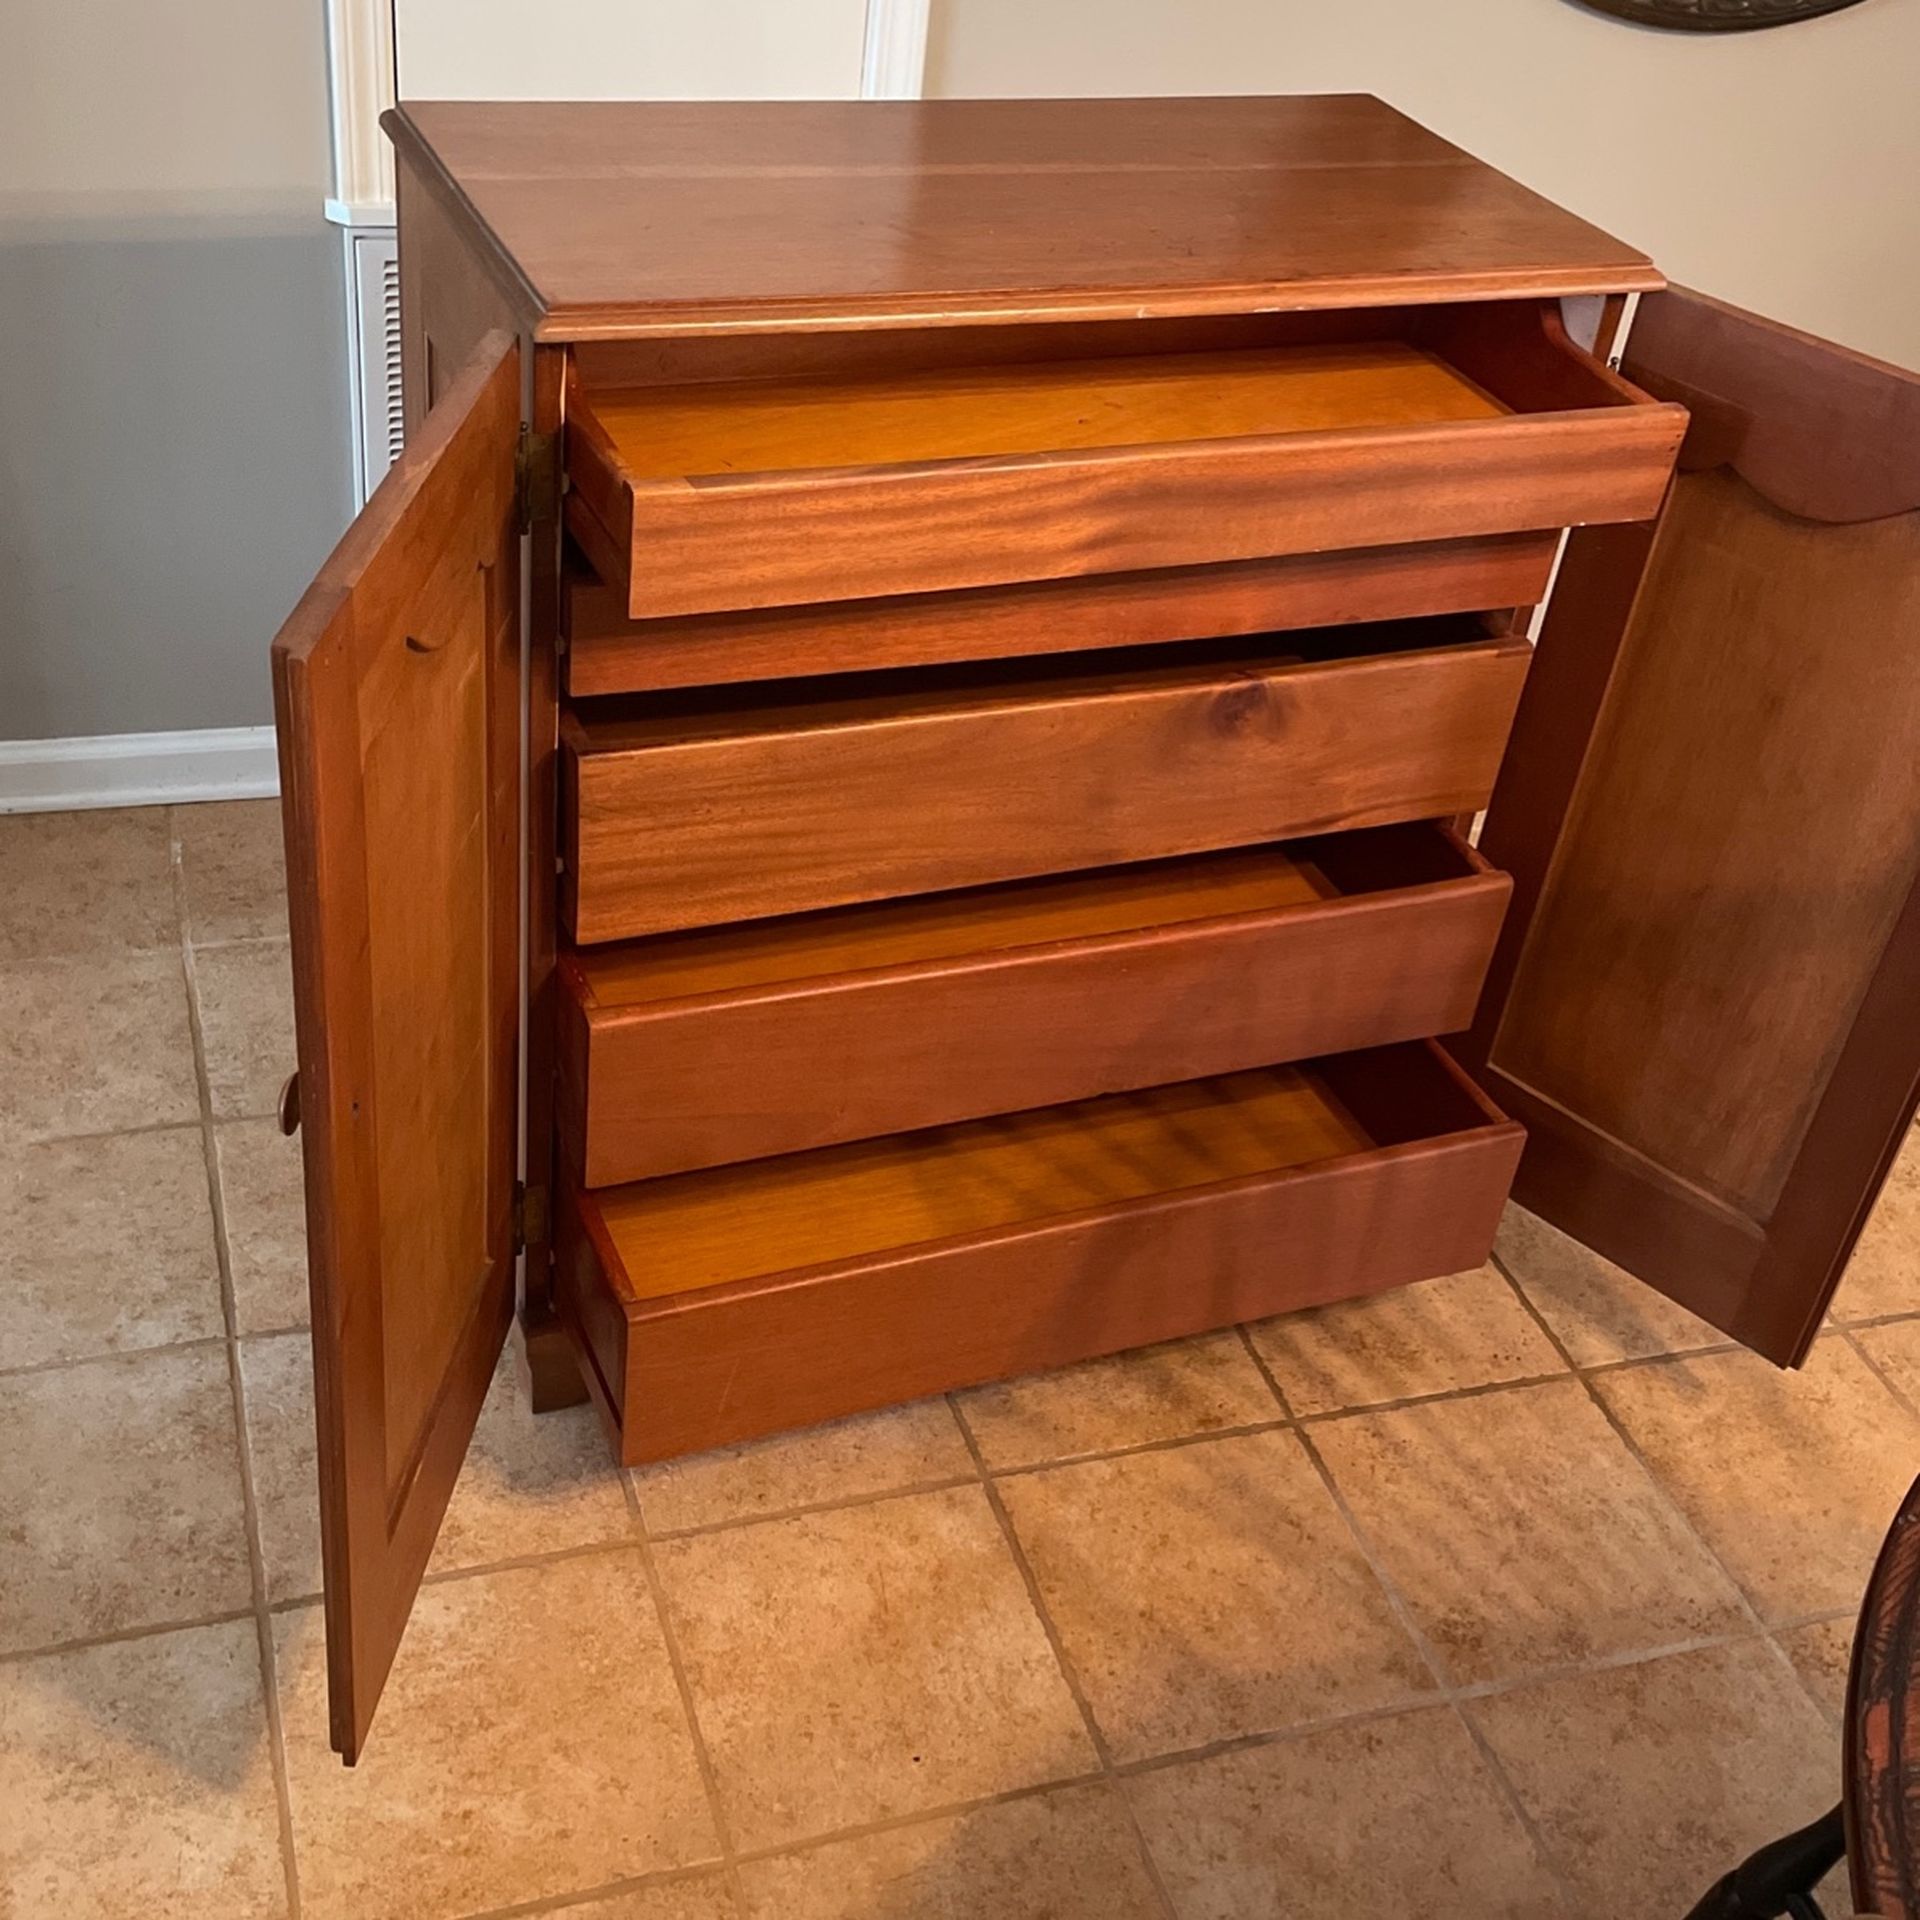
(1519, 1593)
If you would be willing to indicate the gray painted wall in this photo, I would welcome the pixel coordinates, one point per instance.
(174, 443)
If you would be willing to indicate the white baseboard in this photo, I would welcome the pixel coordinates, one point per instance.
(137, 769)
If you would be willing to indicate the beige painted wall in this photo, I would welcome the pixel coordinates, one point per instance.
(174, 456)
(630, 49)
(1779, 169)
(119, 105)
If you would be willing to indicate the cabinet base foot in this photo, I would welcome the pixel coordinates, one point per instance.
(549, 1367)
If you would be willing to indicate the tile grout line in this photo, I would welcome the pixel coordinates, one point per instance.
(1467, 1695)
(810, 1843)
(676, 1661)
(1429, 1654)
(1626, 1439)
(1119, 1770)
(1069, 1674)
(1480, 1390)
(606, 1890)
(904, 1822)
(15, 1656)
(1872, 1365)
(1167, 1443)
(226, 942)
(1025, 1469)
(1617, 1662)
(229, 1309)
(1455, 1698)
(1131, 1769)
(142, 1128)
(807, 1509)
(1867, 1322)
(1768, 1633)
(33, 1368)
(1402, 1612)
(592, 1549)
(447, 1576)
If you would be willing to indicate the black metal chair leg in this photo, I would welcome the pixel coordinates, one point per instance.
(1777, 1882)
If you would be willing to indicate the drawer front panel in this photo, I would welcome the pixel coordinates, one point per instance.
(670, 825)
(609, 653)
(921, 1013)
(678, 1373)
(765, 541)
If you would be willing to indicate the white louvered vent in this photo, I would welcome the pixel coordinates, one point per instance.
(377, 426)
(390, 356)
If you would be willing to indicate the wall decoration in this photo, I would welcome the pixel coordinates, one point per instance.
(1718, 16)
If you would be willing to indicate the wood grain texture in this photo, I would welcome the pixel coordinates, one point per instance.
(552, 1376)
(1882, 1763)
(1703, 1003)
(1816, 429)
(693, 811)
(451, 296)
(964, 413)
(838, 488)
(653, 360)
(938, 1260)
(670, 218)
(451, 291)
(608, 652)
(397, 692)
(696, 1049)
(1780, 923)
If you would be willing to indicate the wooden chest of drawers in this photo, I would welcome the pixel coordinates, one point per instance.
(879, 799)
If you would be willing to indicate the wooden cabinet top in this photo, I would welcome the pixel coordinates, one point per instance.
(610, 219)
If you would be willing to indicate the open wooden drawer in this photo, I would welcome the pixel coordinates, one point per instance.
(696, 809)
(694, 1049)
(720, 1305)
(1352, 430)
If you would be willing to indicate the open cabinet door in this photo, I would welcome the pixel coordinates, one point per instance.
(1706, 1003)
(397, 692)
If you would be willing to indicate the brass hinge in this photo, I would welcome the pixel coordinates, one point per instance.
(536, 478)
(529, 1216)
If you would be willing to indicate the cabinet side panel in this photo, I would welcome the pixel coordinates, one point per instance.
(449, 300)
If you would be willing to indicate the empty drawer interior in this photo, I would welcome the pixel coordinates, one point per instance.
(768, 954)
(1319, 373)
(839, 1204)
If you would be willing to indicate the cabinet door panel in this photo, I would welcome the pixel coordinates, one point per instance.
(1704, 1004)
(396, 687)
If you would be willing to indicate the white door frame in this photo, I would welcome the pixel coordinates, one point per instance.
(895, 65)
(360, 57)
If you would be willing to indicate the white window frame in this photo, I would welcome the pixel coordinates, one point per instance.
(361, 65)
